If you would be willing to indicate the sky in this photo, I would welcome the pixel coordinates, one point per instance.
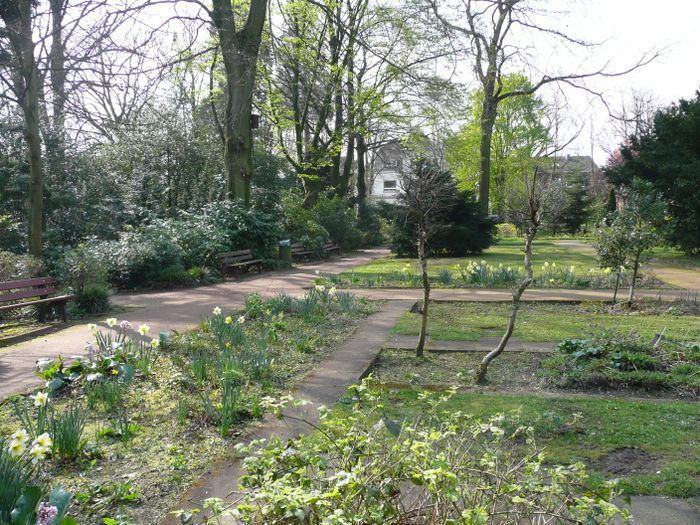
(627, 30)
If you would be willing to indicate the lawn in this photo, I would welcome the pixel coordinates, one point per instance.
(508, 252)
(654, 447)
(547, 322)
(501, 266)
(675, 257)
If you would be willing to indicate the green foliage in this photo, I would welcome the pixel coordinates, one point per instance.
(363, 467)
(519, 135)
(82, 266)
(617, 361)
(67, 431)
(14, 267)
(302, 224)
(463, 231)
(94, 299)
(668, 157)
(339, 219)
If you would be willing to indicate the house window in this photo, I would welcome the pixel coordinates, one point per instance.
(389, 185)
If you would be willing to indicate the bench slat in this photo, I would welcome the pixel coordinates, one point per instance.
(59, 299)
(26, 283)
(245, 263)
(26, 294)
(237, 253)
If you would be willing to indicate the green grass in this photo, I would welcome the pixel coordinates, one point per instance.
(541, 322)
(669, 431)
(508, 252)
(675, 257)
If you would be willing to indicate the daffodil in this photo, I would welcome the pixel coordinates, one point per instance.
(17, 448)
(228, 320)
(216, 311)
(572, 269)
(546, 264)
(332, 291)
(240, 320)
(40, 399)
(92, 327)
(20, 435)
(38, 453)
(44, 440)
(320, 288)
(114, 372)
(155, 343)
(111, 322)
(143, 329)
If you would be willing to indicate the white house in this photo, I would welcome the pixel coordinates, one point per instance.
(387, 165)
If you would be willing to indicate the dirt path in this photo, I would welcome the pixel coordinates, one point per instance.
(685, 278)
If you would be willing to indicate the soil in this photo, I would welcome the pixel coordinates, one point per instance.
(625, 461)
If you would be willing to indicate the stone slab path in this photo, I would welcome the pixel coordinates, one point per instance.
(323, 386)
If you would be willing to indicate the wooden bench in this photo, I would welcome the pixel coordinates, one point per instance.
(298, 250)
(330, 247)
(39, 291)
(240, 260)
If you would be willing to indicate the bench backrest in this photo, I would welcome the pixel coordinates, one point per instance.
(330, 244)
(11, 291)
(298, 247)
(236, 256)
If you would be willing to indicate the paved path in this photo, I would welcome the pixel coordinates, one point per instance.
(164, 310)
(675, 275)
(324, 386)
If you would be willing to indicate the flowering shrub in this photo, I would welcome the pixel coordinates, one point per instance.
(442, 467)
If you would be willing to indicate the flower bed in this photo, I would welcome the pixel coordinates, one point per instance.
(128, 427)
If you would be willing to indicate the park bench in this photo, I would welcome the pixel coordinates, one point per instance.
(240, 260)
(330, 247)
(39, 291)
(298, 250)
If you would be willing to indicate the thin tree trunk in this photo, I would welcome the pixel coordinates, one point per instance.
(423, 260)
(480, 376)
(361, 173)
(488, 120)
(617, 286)
(635, 270)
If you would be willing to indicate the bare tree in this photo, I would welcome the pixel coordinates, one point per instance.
(490, 30)
(427, 194)
(528, 204)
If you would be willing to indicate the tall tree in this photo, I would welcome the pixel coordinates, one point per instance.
(239, 45)
(26, 85)
(489, 27)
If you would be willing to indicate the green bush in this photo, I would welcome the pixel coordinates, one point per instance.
(373, 226)
(440, 467)
(464, 231)
(82, 266)
(94, 299)
(14, 267)
(339, 219)
(301, 224)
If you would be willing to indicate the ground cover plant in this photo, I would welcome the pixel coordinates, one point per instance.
(554, 322)
(429, 467)
(554, 266)
(135, 422)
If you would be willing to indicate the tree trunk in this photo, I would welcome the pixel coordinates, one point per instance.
(423, 260)
(361, 172)
(617, 286)
(17, 16)
(488, 120)
(480, 376)
(239, 51)
(633, 282)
